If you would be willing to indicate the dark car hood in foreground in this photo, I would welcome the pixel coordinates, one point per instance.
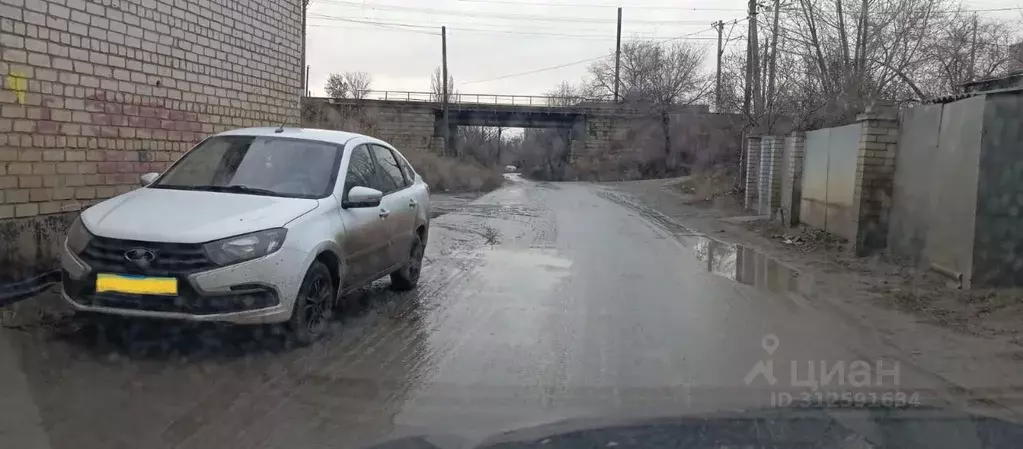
(780, 428)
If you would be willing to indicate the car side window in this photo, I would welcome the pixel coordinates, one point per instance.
(410, 175)
(388, 170)
(361, 170)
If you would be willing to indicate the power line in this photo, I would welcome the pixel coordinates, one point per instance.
(392, 25)
(386, 28)
(416, 28)
(500, 16)
(545, 69)
(475, 24)
(515, 33)
(577, 5)
(955, 11)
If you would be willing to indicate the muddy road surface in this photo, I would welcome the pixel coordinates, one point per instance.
(538, 302)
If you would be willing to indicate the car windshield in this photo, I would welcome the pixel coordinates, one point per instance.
(320, 224)
(256, 165)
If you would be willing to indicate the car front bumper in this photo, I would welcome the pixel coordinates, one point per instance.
(252, 292)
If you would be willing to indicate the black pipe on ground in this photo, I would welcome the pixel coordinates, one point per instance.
(18, 291)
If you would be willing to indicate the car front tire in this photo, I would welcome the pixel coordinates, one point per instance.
(311, 315)
(407, 277)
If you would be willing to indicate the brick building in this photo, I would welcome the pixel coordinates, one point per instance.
(97, 92)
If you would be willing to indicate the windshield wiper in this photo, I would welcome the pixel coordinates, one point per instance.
(237, 188)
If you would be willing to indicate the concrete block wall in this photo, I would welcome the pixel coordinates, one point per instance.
(407, 126)
(97, 92)
(771, 153)
(752, 198)
(792, 177)
(875, 171)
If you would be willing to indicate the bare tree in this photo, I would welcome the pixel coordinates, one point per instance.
(358, 84)
(964, 47)
(835, 57)
(348, 85)
(565, 94)
(657, 78)
(655, 73)
(437, 85)
(336, 86)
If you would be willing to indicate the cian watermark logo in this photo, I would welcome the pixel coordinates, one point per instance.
(844, 382)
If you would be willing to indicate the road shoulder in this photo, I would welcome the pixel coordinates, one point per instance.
(982, 358)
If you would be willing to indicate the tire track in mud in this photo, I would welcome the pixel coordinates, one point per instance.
(445, 284)
(442, 275)
(651, 215)
(251, 414)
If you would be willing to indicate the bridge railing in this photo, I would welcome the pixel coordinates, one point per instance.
(483, 99)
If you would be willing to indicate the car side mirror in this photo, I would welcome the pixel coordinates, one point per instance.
(361, 196)
(148, 178)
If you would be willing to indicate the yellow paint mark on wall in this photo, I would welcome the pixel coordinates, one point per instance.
(17, 82)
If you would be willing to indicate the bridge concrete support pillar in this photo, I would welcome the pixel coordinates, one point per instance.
(453, 149)
(564, 155)
(576, 144)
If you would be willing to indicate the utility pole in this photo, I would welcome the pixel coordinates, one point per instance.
(717, 84)
(774, 64)
(618, 53)
(757, 95)
(751, 64)
(973, 50)
(305, 7)
(444, 64)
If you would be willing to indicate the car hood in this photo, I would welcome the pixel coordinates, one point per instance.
(189, 216)
(918, 427)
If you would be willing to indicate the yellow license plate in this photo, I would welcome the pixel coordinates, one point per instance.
(138, 285)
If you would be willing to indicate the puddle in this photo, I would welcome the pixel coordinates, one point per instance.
(746, 266)
(443, 203)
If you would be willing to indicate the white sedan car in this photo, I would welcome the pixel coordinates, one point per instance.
(258, 225)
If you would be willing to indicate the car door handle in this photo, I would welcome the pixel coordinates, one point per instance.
(412, 204)
(384, 213)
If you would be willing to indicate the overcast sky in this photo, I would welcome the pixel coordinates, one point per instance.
(398, 41)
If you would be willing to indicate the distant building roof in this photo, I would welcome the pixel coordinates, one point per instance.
(1011, 81)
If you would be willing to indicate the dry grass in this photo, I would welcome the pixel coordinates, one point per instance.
(452, 175)
(708, 184)
(803, 238)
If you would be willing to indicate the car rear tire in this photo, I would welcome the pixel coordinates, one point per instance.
(407, 277)
(311, 315)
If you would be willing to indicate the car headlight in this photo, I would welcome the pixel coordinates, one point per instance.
(78, 237)
(245, 247)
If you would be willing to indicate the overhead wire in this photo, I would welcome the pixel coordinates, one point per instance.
(583, 61)
(416, 28)
(609, 5)
(587, 33)
(497, 16)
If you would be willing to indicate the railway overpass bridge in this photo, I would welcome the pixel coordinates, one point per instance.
(590, 130)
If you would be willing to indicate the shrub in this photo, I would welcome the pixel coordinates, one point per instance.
(445, 174)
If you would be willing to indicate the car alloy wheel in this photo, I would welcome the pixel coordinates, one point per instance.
(407, 276)
(313, 305)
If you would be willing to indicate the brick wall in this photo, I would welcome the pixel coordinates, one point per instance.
(752, 197)
(771, 152)
(875, 169)
(97, 92)
(792, 179)
(407, 126)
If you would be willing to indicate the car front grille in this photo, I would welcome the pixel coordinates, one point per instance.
(172, 259)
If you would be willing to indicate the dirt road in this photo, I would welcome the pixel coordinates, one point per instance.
(539, 302)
